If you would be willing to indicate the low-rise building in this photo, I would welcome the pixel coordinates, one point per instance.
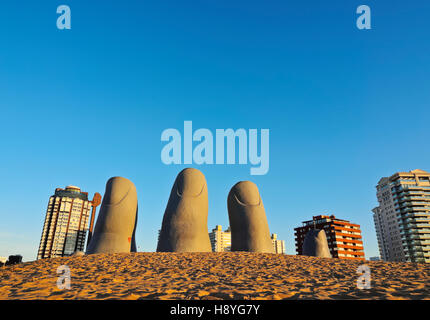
(344, 238)
(278, 245)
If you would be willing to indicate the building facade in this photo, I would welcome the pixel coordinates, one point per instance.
(220, 240)
(278, 245)
(402, 219)
(344, 238)
(66, 223)
(386, 225)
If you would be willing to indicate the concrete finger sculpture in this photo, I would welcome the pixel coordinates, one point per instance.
(184, 227)
(248, 222)
(116, 223)
(315, 244)
(133, 237)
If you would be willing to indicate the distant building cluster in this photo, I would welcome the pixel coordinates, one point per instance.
(278, 245)
(344, 238)
(402, 219)
(221, 240)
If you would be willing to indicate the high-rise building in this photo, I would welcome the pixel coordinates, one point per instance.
(66, 223)
(220, 240)
(278, 245)
(402, 219)
(344, 238)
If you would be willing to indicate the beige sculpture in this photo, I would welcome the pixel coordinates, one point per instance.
(315, 244)
(248, 222)
(116, 223)
(184, 227)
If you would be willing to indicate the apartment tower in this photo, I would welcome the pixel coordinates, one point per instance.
(66, 223)
(344, 238)
(402, 219)
(278, 245)
(220, 240)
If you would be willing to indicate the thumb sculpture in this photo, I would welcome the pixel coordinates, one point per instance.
(315, 244)
(184, 227)
(248, 222)
(116, 223)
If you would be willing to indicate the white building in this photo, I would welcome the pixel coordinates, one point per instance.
(402, 219)
(66, 223)
(278, 245)
(220, 240)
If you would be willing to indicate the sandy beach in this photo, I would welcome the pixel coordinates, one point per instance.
(227, 275)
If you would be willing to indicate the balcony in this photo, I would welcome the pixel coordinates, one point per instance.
(418, 237)
(421, 227)
(410, 197)
(417, 255)
(414, 215)
(417, 242)
(412, 187)
(416, 210)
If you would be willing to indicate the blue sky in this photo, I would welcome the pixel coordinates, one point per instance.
(344, 106)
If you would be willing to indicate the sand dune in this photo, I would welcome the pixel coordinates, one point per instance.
(212, 276)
